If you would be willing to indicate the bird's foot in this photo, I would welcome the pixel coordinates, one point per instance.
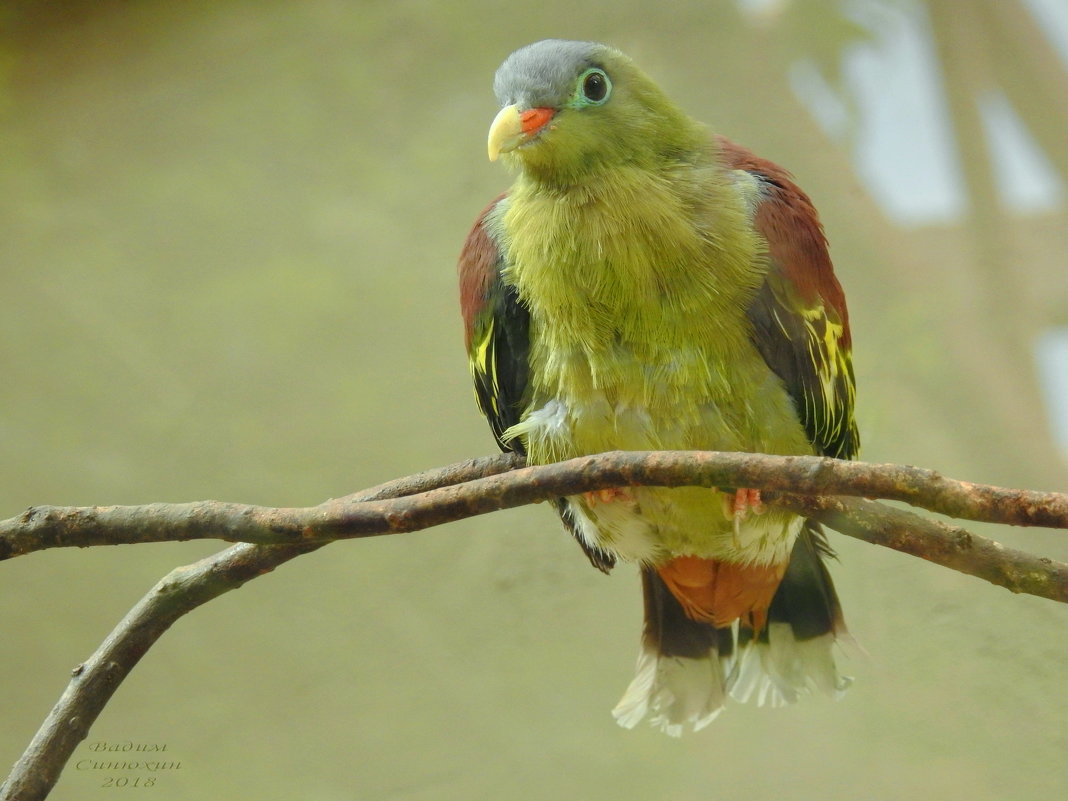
(743, 501)
(610, 495)
(738, 506)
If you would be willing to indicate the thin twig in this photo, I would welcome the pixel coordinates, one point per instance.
(94, 681)
(947, 545)
(181, 591)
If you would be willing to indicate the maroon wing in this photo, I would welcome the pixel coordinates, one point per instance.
(497, 336)
(799, 316)
(496, 332)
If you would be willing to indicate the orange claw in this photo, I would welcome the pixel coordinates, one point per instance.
(738, 506)
(748, 500)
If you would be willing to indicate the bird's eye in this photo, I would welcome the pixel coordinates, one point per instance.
(595, 86)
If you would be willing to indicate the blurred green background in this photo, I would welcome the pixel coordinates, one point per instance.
(227, 242)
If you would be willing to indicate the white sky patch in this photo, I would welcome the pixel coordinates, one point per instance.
(1027, 181)
(893, 115)
(1052, 17)
(823, 103)
(1051, 354)
(761, 9)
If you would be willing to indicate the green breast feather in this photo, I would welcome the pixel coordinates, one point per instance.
(637, 290)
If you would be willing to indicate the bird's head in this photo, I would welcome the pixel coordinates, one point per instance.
(572, 109)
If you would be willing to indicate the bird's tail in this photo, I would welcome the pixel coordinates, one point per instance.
(688, 667)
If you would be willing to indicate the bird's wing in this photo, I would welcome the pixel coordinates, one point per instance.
(496, 331)
(497, 335)
(799, 316)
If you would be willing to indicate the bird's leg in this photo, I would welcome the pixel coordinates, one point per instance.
(748, 500)
(737, 507)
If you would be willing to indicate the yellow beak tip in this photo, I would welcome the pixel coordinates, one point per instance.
(505, 133)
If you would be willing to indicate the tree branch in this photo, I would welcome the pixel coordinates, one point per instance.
(94, 681)
(181, 591)
(270, 537)
(946, 545)
(44, 527)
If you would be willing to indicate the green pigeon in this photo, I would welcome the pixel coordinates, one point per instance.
(648, 285)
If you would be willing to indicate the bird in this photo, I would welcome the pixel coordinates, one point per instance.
(646, 284)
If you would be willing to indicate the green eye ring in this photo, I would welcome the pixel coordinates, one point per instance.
(593, 89)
